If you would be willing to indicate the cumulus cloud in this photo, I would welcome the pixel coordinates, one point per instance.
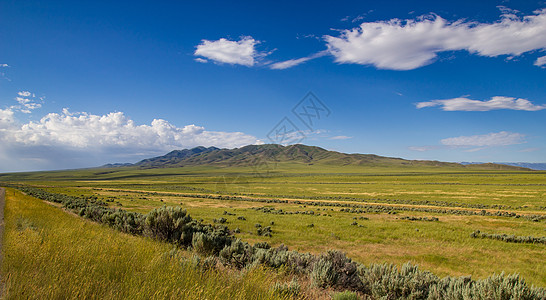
(57, 137)
(541, 62)
(27, 102)
(240, 52)
(496, 139)
(498, 102)
(6, 118)
(408, 44)
(294, 62)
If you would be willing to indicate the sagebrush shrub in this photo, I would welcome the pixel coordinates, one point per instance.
(168, 223)
(323, 274)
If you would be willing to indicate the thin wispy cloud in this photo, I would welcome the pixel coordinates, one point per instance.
(498, 102)
(474, 143)
(242, 52)
(2, 74)
(294, 62)
(341, 137)
(503, 138)
(357, 18)
(541, 62)
(409, 44)
(422, 148)
(474, 149)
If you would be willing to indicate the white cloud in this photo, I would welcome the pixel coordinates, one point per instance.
(422, 148)
(4, 65)
(498, 102)
(474, 149)
(410, 44)
(294, 62)
(27, 102)
(59, 138)
(6, 119)
(541, 62)
(502, 138)
(289, 63)
(341, 137)
(240, 52)
(199, 59)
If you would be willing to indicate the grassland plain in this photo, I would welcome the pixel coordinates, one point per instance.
(50, 254)
(303, 204)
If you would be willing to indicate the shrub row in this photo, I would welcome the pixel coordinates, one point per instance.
(170, 224)
(509, 238)
(271, 210)
(431, 219)
(366, 208)
(332, 269)
(391, 201)
(379, 281)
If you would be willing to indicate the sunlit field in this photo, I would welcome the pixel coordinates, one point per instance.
(50, 254)
(424, 216)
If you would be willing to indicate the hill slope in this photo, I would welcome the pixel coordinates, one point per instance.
(255, 154)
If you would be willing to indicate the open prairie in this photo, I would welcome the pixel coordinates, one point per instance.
(426, 216)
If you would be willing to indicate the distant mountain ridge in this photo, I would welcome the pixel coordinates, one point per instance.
(254, 154)
(532, 166)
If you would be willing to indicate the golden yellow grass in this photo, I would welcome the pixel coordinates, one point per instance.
(49, 254)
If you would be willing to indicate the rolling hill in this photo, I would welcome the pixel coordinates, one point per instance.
(303, 154)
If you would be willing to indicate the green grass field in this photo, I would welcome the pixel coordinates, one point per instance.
(463, 201)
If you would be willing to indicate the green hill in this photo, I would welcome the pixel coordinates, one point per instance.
(254, 154)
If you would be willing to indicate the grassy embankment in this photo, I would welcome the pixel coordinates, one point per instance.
(50, 254)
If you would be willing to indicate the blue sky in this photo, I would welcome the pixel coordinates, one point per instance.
(83, 83)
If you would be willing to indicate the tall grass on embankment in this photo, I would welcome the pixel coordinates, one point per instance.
(331, 270)
(49, 254)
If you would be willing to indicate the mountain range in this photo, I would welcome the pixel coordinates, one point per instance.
(254, 154)
(532, 166)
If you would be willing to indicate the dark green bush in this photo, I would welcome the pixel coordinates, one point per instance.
(264, 231)
(220, 221)
(345, 269)
(238, 254)
(170, 224)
